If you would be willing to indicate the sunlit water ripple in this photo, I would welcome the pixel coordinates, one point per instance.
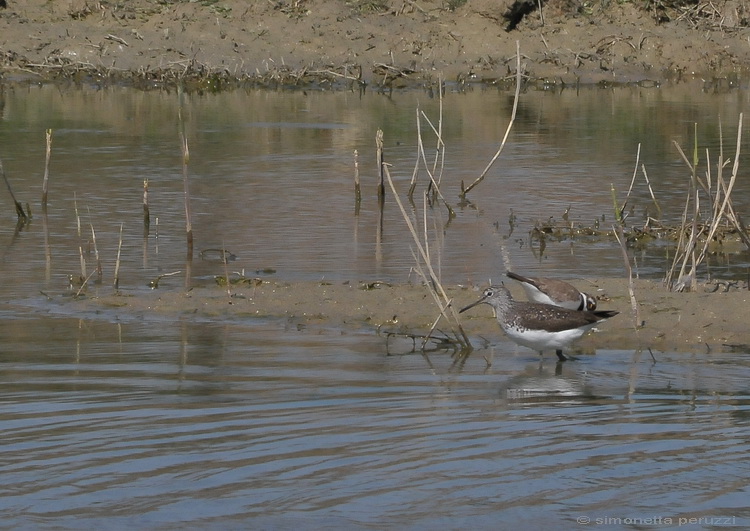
(319, 428)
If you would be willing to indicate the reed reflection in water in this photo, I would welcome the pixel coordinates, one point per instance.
(173, 423)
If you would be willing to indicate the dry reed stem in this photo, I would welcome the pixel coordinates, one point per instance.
(379, 160)
(727, 195)
(19, 208)
(435, 287)
(83, 261)
(620, 210)
(433, 183)
(186, 186)
(146, 211)
(80, 237)
(357, 189)
(651, 190)
(632, 180)
(479, 179)
(439, 144)
(617, 229)
(689, 248)
(83, 285)
(116, 281)
(680, 243)
(721, 209)
(439, 148)
(45, 180)
(78, 218)
(98, 268)
(415, 173)
(185, 161)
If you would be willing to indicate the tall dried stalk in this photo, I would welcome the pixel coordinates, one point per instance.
(722, 212)
(379, 160)
(185, 161)
(186, 185)
(425, 268)
(629, 269)
(146, 210)
(22, 217)
(116, 281)
(438, 163)
(620, 210)
(80, 238)
(96, 251)
(479, 179)
(357, 189)
(45, 180)
(434, 186)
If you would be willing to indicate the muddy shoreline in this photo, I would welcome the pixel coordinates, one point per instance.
(223, 45)
(702, 321)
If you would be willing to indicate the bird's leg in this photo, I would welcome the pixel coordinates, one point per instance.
(560, 355)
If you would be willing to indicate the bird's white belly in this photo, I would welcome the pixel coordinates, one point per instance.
(543, 340)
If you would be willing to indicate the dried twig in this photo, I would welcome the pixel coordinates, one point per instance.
(432, 281)
(19, 208)
(479, 179)
(631, 289)
(48, 152)
(116, 281)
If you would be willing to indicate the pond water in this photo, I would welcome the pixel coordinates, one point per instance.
(155, 423)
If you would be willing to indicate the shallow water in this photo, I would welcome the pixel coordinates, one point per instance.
(207, 424)
(271, 178)
(154, 423)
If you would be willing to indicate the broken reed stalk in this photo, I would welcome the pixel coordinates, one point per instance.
(96, 252)
(433, 283)
(415, 173)
(617, 229)
(439, 147)
(727, 196)
(188, 222)
(651, 191)
(379, 159)
(146, 211)
(680, 244)
(80, 236)
(722, 210)
(479, 179)
(45, 180)
(721, 186)
(116, 282)
(78, 218)
(686, 251)
(185, 161)
(83, 285)
(83, 261)
(434, 184)
(620, 210)
(357, 189)
(19, 208)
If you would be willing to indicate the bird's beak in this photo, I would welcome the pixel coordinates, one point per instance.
(480, 301)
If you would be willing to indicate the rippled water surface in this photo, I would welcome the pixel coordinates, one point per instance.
(155, 423)
(150, 425)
